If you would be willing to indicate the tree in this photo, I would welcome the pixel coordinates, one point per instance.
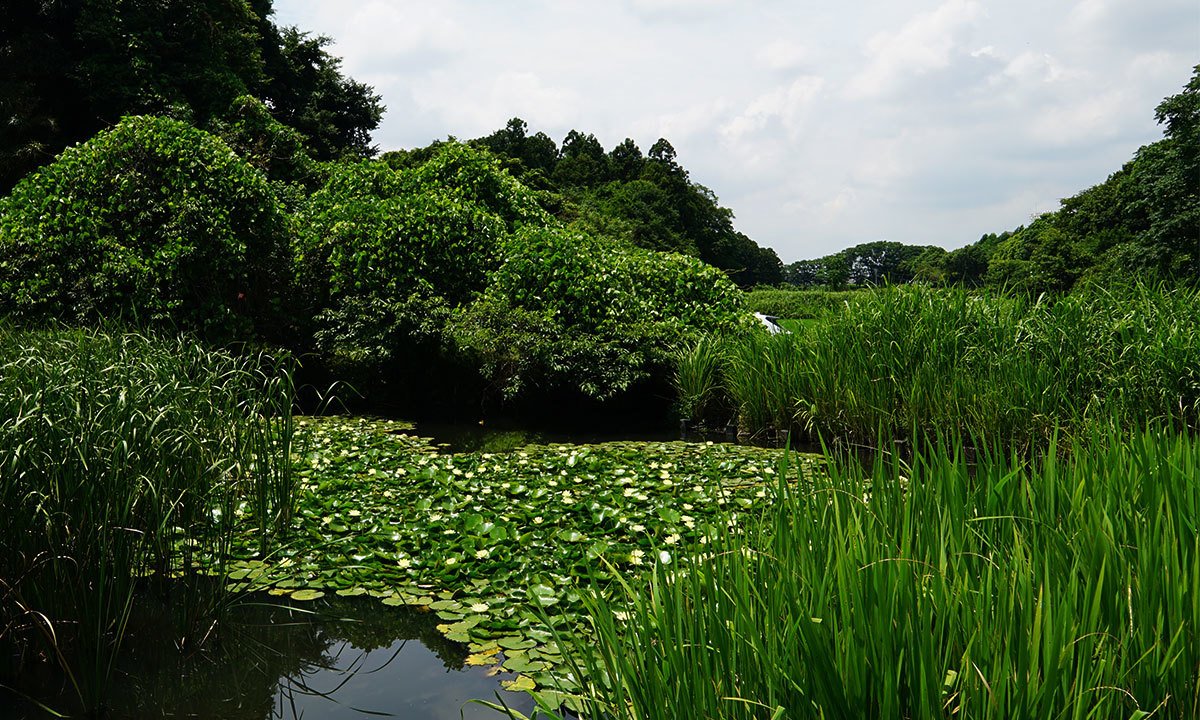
(1169, 173)
(625, 161)
(581, 161)
(306, 90)
(70, 68)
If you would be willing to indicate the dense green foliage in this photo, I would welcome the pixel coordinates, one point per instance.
(449, 262)
(70, 69)
(929, 589)
(153, 221)
(912, 358)
(646, 201)
(620, 310)
(1142, 222)
(123, 459)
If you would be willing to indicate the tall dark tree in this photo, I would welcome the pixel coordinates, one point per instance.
(581, 161)
(69, 68)
(305, 89)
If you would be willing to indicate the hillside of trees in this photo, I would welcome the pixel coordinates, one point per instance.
(1143, 221)
(622, 195)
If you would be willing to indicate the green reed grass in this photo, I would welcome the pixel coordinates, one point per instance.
(123, 459)
(948, 360)
(697, 375)
(930, 589)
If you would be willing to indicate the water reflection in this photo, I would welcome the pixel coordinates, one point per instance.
(340, 658)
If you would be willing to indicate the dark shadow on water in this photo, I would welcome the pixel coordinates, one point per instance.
(332, 658)
(506, 436)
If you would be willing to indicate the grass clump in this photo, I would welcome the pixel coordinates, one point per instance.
(931, 589)
(123, 461)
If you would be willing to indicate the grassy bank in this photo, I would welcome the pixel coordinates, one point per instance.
(951, 361)
(931, 589)
(123, 460)
(799, 304)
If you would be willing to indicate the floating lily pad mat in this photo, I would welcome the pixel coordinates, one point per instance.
(481, 539)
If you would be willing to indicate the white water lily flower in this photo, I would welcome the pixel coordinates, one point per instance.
(664, 557)
(480, 607)
(481, 554)
(404, 563)
(451, 561)
(671, 539)
(638, 528)
(636, 556)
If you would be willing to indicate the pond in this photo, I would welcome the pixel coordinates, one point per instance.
(456, 570)
(331, 658)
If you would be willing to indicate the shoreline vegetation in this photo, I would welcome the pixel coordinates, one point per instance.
(198, 232)
(910, 362)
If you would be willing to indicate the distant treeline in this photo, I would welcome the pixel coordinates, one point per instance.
(1142, 222)
(644, 200)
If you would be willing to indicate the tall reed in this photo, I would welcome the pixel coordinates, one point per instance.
(931, 589)
(123, 459)
(948, 360)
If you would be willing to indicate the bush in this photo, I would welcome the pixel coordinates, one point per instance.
(605, 316)
(152, 219)
(367, 235)
(592, 286)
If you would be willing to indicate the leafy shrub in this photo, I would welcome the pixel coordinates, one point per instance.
(517, 350)
(606, 316)
(592, 286)
(475, 177)
(368, 235)
(153, 219)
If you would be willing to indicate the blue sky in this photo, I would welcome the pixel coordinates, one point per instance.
(821, 124)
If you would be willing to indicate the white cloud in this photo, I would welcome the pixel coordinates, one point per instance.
(787, 104)
(783, 55)
(820, 125)
(925, 43)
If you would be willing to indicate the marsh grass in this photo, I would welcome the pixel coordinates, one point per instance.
(941, 361)
(697, 376)
(1013, 588)
(124, 459)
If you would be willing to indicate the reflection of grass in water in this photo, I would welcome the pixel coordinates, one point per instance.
(263, 647)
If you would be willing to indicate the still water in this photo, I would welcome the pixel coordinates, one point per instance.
(340, 658)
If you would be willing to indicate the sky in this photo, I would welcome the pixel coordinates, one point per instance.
(821, 124)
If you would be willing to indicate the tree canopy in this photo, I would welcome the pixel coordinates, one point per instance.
(70, 68)
(643, 200)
